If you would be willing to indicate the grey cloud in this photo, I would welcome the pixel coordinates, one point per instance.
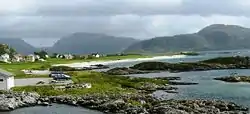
(135, 7)
(53, 19)
(140, 7)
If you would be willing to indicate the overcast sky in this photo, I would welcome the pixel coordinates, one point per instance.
(41, 21)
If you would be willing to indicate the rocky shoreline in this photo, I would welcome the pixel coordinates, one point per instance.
(126, 71)
(122, 104)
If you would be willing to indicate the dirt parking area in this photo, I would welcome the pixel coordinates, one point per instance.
(33, 81)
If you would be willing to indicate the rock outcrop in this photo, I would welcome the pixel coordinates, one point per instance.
(125, 103)
(211, 64)
(234, 79)
(126, 71)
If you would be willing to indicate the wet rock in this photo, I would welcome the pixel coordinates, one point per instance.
(7, 104)
(167, 110)
(181, 83)
(29, 100)
(168, 78)
(171, 91)
(43, 103)
(99, 66)
(166, 87)
(123, 104)
(149, 87)
(125, 71)
(113, 106)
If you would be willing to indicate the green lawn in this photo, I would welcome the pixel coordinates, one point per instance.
(17, 67)
(101, 84)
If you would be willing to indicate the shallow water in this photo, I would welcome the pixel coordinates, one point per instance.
(55, 109)
(206, 89)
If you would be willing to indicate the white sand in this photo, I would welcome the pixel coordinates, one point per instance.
(88, 64)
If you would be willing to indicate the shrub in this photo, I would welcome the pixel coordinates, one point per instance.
(62, 68)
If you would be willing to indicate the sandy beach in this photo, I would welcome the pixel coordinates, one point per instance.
(88, 64)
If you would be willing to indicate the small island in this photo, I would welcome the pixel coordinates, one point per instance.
(190, 53)
(234, 79)
(211, 64)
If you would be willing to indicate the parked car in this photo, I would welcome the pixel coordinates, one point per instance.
(61, 77)
(53, 73)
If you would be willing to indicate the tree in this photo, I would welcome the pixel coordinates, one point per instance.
(5, 49)
(42, 54)
(54, 55)
(247, 60)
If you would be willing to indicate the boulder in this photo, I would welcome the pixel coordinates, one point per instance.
(8, 104)
(181, 83)
(113, 106)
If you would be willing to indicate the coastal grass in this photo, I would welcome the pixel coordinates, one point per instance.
(16, 68)
(101, 84)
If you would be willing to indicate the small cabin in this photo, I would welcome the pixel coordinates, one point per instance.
(6, 80)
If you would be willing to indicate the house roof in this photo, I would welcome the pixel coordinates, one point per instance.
(5, 73)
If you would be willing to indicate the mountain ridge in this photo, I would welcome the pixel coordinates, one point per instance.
(213, 37)
(85, 43)
(19, 45)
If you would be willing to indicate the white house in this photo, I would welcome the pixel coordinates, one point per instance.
(37, 57)
(96, 55)
(6, 80)
(59, 56)
(5, 57)
(47, 56)
(17, 58)
(31, 58)
(68, 56)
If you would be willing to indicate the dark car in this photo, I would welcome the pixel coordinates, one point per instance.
(61, 77)
(55, 73)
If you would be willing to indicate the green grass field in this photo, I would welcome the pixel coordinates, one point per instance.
(101, 84)
(16, 68)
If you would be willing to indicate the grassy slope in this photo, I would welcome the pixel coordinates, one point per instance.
(17, 67)
(101, 84)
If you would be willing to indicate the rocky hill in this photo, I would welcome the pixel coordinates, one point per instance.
(19, 45)
(213, 37)
(85, 43)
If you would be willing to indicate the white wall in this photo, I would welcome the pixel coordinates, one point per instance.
(3, 83)
(10, 82)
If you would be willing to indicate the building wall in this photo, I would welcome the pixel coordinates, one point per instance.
(3, 83)
(10, 82)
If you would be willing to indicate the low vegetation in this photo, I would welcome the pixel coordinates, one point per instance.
(234, 79)
(229, 60)
(211, 64)
(190, 53)
(16, 68)
(62, 68)
(101, 83)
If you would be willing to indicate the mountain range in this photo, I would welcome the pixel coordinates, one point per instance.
(19, 45)
(213, 37)
(76, 43)
(85, 43)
